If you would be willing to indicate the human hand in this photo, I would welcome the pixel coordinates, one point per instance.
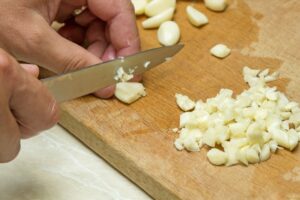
(26, 106)
(108, 27)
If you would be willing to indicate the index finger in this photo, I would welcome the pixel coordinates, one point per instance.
(122, 29)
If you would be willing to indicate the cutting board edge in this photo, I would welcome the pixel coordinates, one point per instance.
(122, 163)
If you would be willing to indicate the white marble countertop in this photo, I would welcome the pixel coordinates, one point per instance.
(55, 165)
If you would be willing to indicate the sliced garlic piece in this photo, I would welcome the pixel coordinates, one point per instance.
(238, 129)
(217, 157)
(175, 130)
(128, 92)
(265, 153)
(139, 6)
(241, 156)
(195, 119)
(293, 139)
(121, 75)
(210, 137)
(156, 7)
(273, 146)
(184, 102)
(252, 156)
(247, 71)
(157, 20)
(254, 133)
(168, 33)
(281, 137)
(196, 17)
(216, 5)
(178, 144)
(220, 51)
(190, 139)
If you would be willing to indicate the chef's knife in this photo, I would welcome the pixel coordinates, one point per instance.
(87, 80)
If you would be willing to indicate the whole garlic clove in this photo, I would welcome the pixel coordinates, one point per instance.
(157, 20)
(168, 33)
(196, 17)
(220, 51)
(216, 5)
(156, 7)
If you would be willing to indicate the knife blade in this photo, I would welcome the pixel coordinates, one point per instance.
(90, 79)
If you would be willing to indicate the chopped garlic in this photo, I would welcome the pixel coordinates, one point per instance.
(190, 139)
(217, 157)
(184, 102)
(265, 152)
(249, 127)
(196, 17)
(128, 92)
(216, 5)
(252, 156)
(139, 6)
(156, 7)
(122, 75)
(220, 51)
(157, 20)
(175, 130)
(168, 33)
(273, 146)
(147, 64)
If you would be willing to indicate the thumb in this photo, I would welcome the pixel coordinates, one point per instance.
(52, 51)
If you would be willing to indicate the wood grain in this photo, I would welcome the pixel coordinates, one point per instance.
(137, 139)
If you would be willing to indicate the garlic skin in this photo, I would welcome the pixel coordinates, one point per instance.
(139, 6)
(247, 128)
(220, 51)
(128, 92)
(216, 5)
(157, 20)
(196, 17)
(168, 33)
(156, 7)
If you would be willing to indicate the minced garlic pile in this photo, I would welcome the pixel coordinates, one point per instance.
(245, 129)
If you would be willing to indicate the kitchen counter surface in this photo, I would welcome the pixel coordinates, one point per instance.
(55, 165)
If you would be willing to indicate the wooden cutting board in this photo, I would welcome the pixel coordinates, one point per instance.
(137, 139)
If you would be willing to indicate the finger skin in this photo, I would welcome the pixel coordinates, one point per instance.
(31, 30)
(31, 69)
(9, 129)
(34, 108)
(121, 20)
(85, 18)
(73, 32)
(26, 106)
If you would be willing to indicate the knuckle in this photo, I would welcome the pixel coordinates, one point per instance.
(74, 63)
(6, 64)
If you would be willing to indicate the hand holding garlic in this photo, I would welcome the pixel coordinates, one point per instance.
(61, 52)
(27, 34)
